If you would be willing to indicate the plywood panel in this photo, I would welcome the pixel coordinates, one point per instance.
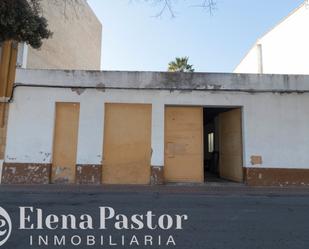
(65, 143)
(127, 144)
(8, 67)
(183, 144)
(5, 66)
(12, 69)
(230, 133)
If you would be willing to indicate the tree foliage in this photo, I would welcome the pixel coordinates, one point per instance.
(22, 21)
(180, 64)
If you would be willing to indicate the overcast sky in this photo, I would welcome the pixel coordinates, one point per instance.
(133, 39)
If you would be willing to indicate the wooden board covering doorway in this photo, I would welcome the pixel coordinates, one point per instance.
(184, 144)
(230, 143)
(65, 143)
(127, 144)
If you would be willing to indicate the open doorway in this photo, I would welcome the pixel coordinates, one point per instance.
(222, 144)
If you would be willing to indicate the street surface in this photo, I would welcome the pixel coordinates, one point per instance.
(219, 216)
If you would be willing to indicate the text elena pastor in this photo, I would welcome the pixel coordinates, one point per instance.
(109, 219)
(35, 219)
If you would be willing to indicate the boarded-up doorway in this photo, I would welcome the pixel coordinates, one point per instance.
(223, 144)
(65, 143)
(184, 144)
(127, 144)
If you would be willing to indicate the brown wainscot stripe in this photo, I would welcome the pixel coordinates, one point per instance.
(26, 173)
(277, 177)
(157, 175)
(89, 174)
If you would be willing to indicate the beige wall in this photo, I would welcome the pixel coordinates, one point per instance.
(76, 42)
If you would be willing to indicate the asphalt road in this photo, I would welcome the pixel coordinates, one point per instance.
(218, 217)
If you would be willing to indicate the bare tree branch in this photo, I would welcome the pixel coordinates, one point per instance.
(74, 4)
(168, 6)
(209, 5)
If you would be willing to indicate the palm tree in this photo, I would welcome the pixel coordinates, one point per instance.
(180, 65)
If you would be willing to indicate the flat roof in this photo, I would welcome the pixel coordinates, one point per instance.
(162, 80)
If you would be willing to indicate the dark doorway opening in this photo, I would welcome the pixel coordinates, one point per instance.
(226, 146)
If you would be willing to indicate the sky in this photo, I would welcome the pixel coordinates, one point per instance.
(134, 39)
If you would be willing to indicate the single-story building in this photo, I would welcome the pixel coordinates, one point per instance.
(91, 127)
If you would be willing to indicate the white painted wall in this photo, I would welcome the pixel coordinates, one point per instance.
(275, 126)
(285, 48)
(249, 64)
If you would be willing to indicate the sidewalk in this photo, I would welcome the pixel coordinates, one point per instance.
(207, 189)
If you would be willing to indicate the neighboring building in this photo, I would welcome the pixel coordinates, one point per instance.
(283, 50)
(141, 127)
(76, 40)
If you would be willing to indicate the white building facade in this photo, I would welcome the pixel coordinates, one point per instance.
(264, 131)
(283, 50)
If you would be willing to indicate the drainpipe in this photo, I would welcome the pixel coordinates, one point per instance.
(260, 59)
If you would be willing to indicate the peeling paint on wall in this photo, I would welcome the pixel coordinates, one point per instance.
(256, 160)
(89, 174)
(79, 91)
(157, 175)
(22, 173)
(100, 87)
(277, 177)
